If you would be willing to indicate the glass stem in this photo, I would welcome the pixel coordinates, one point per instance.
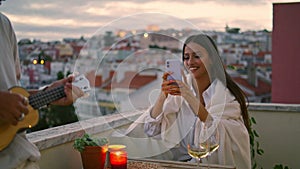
(208, 161)
(198, 163)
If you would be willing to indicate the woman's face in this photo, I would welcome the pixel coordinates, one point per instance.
(196, 60)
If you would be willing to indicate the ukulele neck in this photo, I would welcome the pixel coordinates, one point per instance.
(45, 97)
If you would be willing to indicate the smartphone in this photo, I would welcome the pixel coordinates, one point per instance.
(174, 66)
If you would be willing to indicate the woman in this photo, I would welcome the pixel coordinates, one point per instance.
(207, 94)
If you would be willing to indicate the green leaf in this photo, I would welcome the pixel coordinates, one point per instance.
(260, 151)
(253, 153)
(253, 120)
(231, 67)
(86, 140)
(277, 166)
(254, 165)
(254, 145)
(257, 144)
(252, 142)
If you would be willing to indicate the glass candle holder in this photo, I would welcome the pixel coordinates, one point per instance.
(117, 156)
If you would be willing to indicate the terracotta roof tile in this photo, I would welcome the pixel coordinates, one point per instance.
(262, 87)
(132, 80)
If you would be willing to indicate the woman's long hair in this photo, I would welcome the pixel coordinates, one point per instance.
(219, 71)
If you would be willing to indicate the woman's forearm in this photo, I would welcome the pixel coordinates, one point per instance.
(157, 108)
(197, 107)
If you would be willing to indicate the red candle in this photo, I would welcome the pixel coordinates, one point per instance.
(118, 156)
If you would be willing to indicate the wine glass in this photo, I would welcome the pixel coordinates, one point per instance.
(198, 146)
(213, 141)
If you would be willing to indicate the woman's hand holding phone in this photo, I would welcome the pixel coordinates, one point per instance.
(173, 67)
(171, 77)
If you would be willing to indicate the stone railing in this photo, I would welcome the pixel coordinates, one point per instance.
(277, 125)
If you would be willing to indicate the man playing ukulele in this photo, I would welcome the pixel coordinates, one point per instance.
(20, 153)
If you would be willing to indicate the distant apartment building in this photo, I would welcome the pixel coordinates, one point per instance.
(65, 51)
(159, 41)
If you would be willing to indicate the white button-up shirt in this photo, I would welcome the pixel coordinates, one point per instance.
(176, 123)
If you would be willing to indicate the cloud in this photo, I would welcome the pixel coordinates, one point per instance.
(78, 16)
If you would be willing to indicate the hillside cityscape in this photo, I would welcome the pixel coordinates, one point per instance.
(124, 68)
(122, 48)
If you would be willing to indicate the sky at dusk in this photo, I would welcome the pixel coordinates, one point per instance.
(57, 19)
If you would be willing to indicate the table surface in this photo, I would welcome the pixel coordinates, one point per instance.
(165, 164)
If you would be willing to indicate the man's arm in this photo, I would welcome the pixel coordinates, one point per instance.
(72, 92)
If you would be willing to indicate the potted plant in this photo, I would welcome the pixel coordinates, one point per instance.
(92, 150)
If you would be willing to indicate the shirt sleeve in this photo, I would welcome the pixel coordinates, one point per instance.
(15, 52)
(165, 125)
(152, 125)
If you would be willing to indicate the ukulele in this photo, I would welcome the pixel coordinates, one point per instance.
(36, 101)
